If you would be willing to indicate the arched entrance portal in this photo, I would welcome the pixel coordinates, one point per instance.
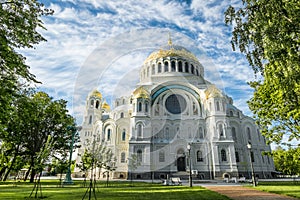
(181, 164)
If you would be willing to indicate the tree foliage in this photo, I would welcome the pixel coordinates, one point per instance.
(35, 118)
(133, 163)
(18, 29)
(19, 21)
(268, 33)
(97, 155)
(287, 161)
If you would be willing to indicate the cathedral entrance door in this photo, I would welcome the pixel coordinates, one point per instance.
(181, 164)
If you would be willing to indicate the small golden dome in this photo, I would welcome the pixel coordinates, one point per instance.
(105, 106)
(140, 92)
(212, 91)
(97, 94)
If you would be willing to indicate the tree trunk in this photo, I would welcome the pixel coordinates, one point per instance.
(27, 174)
(9, 168)
(2, 171)
(32, 175)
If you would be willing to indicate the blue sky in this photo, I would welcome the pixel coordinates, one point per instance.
(102, 44)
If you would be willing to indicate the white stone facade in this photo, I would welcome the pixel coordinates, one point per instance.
(173, 106)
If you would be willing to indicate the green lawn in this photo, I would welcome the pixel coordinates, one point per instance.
(116, 190)
(285, 188)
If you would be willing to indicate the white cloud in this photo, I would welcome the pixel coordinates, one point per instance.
(85, 34)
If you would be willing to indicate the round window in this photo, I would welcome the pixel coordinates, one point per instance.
(175, 104)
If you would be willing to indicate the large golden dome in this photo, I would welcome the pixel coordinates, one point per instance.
(172, 51)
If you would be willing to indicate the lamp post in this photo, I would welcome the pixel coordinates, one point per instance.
(251, 163)
(190, 165)
(68, 179)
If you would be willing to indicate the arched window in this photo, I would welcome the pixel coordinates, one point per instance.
(159, 68)
(153, 69)
(173, 66)
(161, 156)
(124, 135)
(180, 66)
(249, 133)
(237, 156)
(123, 157)
(223, 155)
(231, 113)
(221, 131)
(233, 131)
(122, 115)
(218, 106)
(146, 107)
(91, 119)
(201, 136)
(166, 66)
(199, 156)
(139, 107)
(192, 69)
(195, 109)
(108, 134)
(139, 130)
(186, 67)
(123, 101)
(197, 72)
(92, 103)
(97, 104)
(139, 155)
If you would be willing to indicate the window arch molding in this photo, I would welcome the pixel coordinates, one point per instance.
(139, 127)
(199, 156)
(223, 155)
(221, 127)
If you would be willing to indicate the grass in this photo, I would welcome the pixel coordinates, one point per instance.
(116, 191)
(284, 188)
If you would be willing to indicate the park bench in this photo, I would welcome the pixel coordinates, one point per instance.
(176, 181)
(242, 179)
(233, 180)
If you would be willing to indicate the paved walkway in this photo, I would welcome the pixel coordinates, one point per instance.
(244, 193)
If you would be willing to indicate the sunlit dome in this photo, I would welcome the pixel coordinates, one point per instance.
(172, 51)
(105, 106)
(97, 94)
(141, 93)
(212, 92)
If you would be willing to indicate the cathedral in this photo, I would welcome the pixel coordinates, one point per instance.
(175, 121)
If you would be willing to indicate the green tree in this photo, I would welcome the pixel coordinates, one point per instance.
(287, 161)
(97, 155)
(19, 21)
(268, 33)
(133, 163)
(60, 164)
(37, 116)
